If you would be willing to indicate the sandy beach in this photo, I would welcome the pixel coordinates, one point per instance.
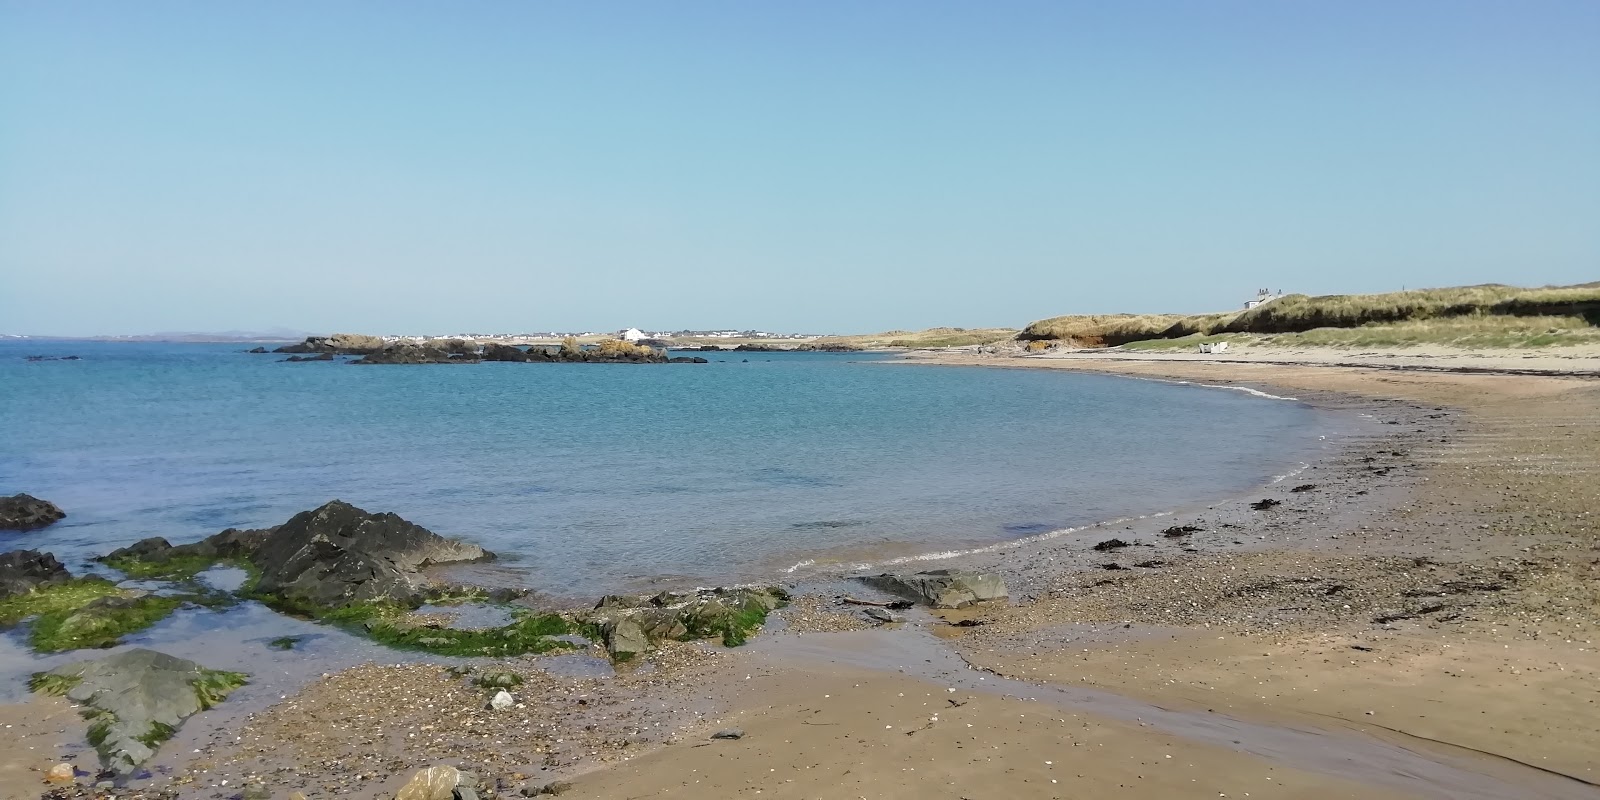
(1414, 618)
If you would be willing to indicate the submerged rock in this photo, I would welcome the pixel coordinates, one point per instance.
(136, 699)
(24, 512)
(22, 571)
(941, 588)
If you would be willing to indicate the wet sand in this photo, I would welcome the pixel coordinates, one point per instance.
(1417, 624)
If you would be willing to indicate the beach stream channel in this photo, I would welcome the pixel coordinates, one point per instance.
(1425, 768)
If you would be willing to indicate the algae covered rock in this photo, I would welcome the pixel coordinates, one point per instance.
(941, 588)
(24, 512)
(629, 626)
(136, 699)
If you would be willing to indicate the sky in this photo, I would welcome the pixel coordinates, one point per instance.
(818, 166)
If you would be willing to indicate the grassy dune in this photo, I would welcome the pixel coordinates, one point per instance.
(932, 337)
(1490, 315)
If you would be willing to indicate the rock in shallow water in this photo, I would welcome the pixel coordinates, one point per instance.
(941, 588)
(136, 699)
(24, 512)
(338, 554)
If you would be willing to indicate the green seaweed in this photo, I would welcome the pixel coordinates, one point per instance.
(55, 598)
(158, 733)
(66, 617)
(529, 633)
(98, 626)
(734, 626)
(181, 568)
(214, 685)
(284, 643)
(385, 622)
(53, 684)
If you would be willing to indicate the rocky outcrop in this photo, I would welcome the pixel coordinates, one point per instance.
(349, 344)
(327, 558)
(232, 544)
(405, 353)
(941, 588)
(629, 626)
(504, 352)
(339, 555)
(23, 571)
(317, 357)
(687, 360)
(24, 512)
(136, 699)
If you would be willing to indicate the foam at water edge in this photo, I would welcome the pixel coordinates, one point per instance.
(1290, 474)
(993, 548)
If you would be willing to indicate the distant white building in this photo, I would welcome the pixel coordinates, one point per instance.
(631, 335)
(1262, 296)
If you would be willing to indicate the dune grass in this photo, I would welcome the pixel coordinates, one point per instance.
(1489, 315)
(930, 338)
(1471, 332)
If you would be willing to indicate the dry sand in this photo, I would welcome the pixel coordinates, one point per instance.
(1419, 624)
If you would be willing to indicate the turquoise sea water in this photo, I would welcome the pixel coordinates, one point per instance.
(589, 478)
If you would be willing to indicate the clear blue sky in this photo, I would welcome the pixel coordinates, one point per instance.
(818, 166)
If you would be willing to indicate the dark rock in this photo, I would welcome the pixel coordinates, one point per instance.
(687, 360)
(729, 733)
(879, 614)
(22, 571)
(504, 352)
(23, 512)
(941, 588)
(317, 357)
(338, 554)
(257, 350)
(349, 344)
(136, 699)
(232, 543)
(1110, 544)
(405, 353)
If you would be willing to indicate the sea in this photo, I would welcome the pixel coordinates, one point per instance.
(595, 478)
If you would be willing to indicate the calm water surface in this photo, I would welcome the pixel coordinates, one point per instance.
(589, 478)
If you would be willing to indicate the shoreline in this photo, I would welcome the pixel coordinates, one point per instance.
(1052, 590)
